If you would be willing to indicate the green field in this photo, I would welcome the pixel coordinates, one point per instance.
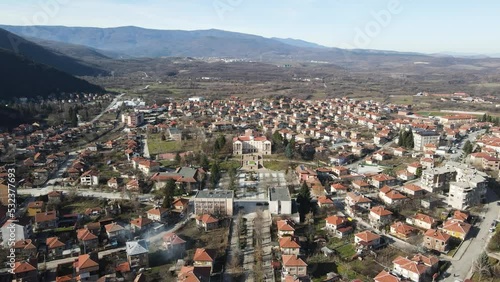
(158, 146)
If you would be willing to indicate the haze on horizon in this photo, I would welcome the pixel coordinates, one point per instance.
(456, 27)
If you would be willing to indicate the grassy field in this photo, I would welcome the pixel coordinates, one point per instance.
(276, 165)
(158, 146)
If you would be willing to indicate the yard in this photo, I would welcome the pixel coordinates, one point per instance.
(158, 146)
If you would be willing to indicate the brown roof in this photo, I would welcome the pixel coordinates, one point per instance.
(289, 242)
(367, 236)
(457, 226)
(22, 267)
(292, 260)
(385, 276)
(85, 235)
(141, 221)
(84, 261)
(204, 255)
(438, 235)
(381, 211)
(157, 211)
(284, 225)
(113, 227)
(45, 216)
(335, 220)
(425, 218)
(206, 218)
(53, 242)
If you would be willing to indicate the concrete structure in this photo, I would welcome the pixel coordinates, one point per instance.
(21, 231)
(214, 202)
(249, 143)
(138, 253)
(424, 137)
(280, 201)
(134, 119)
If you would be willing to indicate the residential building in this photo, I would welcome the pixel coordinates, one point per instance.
(402, 230)
(379, 216)
(87, 240)
(436, 240)
(90, 178)
(293, 265)
(249, 143)
(285, 228)
(87, 268)
(140, 224)
(55, 247)
(207, 222)
(463, 195)
(418, 269)
(35, 207)
(4, 193)
(138, 254)
(358, 200)
(45, 220)
(21, 229)
(385, 276)
(381, 180)
(174, 244)
(338, 226)
(391, 197)
(180, 205)
(280, 201)
(422, 221)
(25, 272)
(412, 190)
(115, 232)
(289, 245)
(157, 214)
(424, 137)
(204, 258)
(367, 239)
(456, 228)
(24, 249)
(214, 202)
(133, 119)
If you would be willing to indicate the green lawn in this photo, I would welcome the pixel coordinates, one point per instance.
(276, 165)
(158, 146)
(346, 251)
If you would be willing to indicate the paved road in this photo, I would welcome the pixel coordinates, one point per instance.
(112, 104)
(83, 192)
(464, 259)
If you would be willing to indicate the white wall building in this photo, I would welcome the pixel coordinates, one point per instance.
(424, 137)
(280, 201)
(248, 144)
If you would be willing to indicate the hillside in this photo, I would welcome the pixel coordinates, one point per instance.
(37, 53)
(21, 77)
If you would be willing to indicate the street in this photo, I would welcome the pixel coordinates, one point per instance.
(462, 266)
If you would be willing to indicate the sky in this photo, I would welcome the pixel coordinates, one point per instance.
(427, 26)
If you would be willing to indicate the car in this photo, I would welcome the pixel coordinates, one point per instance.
(258, 204)
(492, 229)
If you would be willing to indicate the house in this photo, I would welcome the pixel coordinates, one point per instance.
(338, 189)
(214, 202)
(338, 225)
(360, 184)
(24, 249)
(285, 228)
(293, 265)
(414, 168)
(140, 224)
(180, 205)
(461, 216)
(115, 232)
(381, 180)
(113, 183)
(402, 230)
(21, 229)
(324, 201)
(358, 200)
(45, 220)
(157, 214)
(340, 170)
(86, 268)
(35, 207)
(379, 216)
(413, 190)
(305, 174)
(456, 228)
(24, 272)
(280, 201)
(385, 276)
(204, 257)
(419, 269)
(207, 222)
(54, 247)
(55, 197)
(289, 245)
(147, 166)
(89, 178)
(436, 240)
(194, 274)
(174, 244)
(87, 240)
(405, 175)
(137, 254)
(133, 185)
(390, 196)
(423, 221)
(367, 239)
(93, 227)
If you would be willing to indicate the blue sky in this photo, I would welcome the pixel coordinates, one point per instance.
(404, 25)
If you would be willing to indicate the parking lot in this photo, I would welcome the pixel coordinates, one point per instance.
(254, 186)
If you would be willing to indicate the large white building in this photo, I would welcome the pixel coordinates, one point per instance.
(249, 143)
(280, 201)
(424, 137)
(468, 189)
(133, 119)
(214, 202)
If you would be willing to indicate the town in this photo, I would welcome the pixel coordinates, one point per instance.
(264, 189)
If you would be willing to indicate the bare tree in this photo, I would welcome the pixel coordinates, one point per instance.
(482, 266)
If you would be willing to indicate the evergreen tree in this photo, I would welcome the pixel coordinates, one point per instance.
(468, 147)
(289, 151)
(304, 200)
(214, 174)
(169, 192)
(409, 144)
(178, 158)
(401, 138)
(204, 161)
(483, 118)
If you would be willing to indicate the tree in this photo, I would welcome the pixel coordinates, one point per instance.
(204, 163)
(277, 140)
(401, 138)
(232, 178)
(409, 144)
(418, 173)
(289, 151)
(304, 200)
(168, 193)
(468, 147)
(214, 174)
(178, 158)
(483, 266)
